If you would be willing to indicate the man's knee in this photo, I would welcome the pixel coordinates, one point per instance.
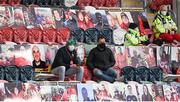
(114, 73)
(81, 69)
(62, 68)
(97, 72)
(59, 70)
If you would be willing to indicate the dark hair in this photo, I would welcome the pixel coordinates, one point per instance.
(123, 14)
(61, 12)
(133, 25)
(98, 14)
(146, 88)
(101, 37)
(164, 52)
(159, 87)
(83, 89)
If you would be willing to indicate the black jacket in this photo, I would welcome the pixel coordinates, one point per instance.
(100, 59)
(63, 58)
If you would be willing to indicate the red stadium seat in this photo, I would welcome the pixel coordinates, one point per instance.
(3, 2)
(176, 37)
(49, 36)
(35, 35)
(1, 37)
(14, 2)
(155, 4)
(20, 35)
(63, 35)
(111, 3)
(83, 3)
(98, 3)
(87, 74)
(6, 34)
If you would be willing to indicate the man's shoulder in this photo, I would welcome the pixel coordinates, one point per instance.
(108, 49)
(93, 49)
(62, 48)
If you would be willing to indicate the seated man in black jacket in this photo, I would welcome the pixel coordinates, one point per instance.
(101, 60)
(66, 62)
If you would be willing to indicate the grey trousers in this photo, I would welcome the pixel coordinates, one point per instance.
(61, 71)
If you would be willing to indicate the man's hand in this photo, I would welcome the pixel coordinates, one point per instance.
(73, 66)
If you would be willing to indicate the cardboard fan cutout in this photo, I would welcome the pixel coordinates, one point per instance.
(70, 3)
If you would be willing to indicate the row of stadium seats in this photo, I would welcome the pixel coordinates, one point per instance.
(61, 3)
(142, 74)
(15, 74)
(91, 35)
(155, 4)
(26, 73)
(29, 2)
(53, 36)
(35, 35)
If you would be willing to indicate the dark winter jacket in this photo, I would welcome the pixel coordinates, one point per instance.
(101, 59)
(64, 57)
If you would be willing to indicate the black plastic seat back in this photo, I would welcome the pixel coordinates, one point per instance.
(1, 73)
(91, 35)
(78, 35)
(156, 74)
(142, 74)
(129, 73)
(108, 34)
(26, 73)
(44, 3)
(11, 73)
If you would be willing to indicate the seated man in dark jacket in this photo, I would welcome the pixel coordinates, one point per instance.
(66, 62)
(101, 60)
